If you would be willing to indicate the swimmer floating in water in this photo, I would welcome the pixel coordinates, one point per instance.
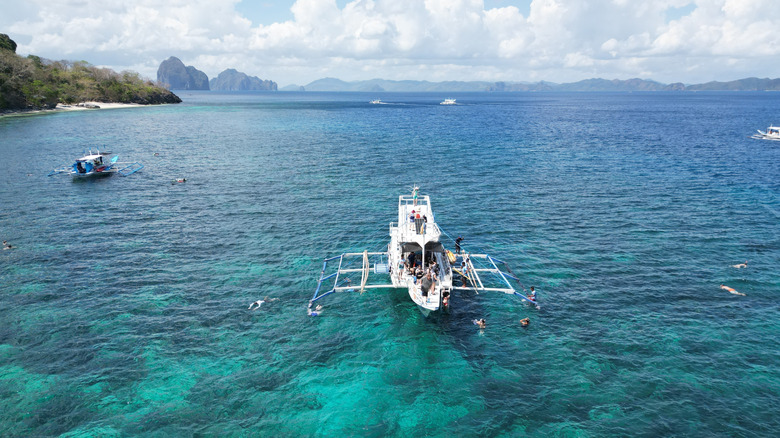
(259, 303)
(316, 312)
(731, 290)
(524, 322)
(481, 323)
(741, 265)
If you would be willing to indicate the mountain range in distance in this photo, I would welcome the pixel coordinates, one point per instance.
(597, 84)
(177, 76)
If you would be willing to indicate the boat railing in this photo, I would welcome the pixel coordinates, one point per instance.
(409, 200)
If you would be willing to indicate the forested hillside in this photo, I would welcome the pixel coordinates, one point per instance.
(35, 83)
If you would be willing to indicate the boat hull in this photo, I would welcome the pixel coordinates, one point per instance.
(93, 174)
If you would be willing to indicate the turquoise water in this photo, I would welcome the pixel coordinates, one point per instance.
(125, 302)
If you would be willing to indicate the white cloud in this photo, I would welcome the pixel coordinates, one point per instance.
(559, 40)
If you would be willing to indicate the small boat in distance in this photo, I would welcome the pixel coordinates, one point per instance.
(93, 164)
(772, 133)
(414, 252)
(448, 102)
(376, 101)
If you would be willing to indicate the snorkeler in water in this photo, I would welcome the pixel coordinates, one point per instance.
(316, 312)
(259, 303)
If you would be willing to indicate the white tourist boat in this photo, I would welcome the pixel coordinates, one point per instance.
(416, 241)
(448, 102)
(376, 102)
(771, 133)
(94, 164)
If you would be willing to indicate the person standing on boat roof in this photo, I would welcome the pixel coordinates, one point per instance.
(414, 194)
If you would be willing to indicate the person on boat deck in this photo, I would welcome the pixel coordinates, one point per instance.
(432, 271)
(418, 273)
(411, 259)
(457, 244)
(427, 284)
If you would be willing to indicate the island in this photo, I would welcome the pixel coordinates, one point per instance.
(33, 83)
(233, 80)
(176, 76)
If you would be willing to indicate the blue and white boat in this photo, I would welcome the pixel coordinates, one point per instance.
(416, 248)
(95, 164)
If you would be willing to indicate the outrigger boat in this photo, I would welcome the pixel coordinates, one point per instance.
(97, 164)
(772, 133)
(416, 241)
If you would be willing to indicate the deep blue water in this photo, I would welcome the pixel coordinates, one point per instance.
(125, 302)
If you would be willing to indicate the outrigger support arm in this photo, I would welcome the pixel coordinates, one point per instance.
(343, 271)
(502, 275)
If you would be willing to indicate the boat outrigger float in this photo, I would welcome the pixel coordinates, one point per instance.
(415, 249)
(97, 164)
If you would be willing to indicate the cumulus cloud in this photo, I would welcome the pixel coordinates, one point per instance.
(558, 40)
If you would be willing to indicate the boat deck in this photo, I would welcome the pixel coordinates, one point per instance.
(416, 219)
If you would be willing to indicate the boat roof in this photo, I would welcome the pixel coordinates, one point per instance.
(93, 155)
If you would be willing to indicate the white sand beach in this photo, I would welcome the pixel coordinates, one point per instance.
(82, 106)
(94, 105)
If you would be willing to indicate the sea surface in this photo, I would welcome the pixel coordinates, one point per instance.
(124, 304)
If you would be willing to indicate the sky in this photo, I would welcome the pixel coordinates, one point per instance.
(299, 41)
